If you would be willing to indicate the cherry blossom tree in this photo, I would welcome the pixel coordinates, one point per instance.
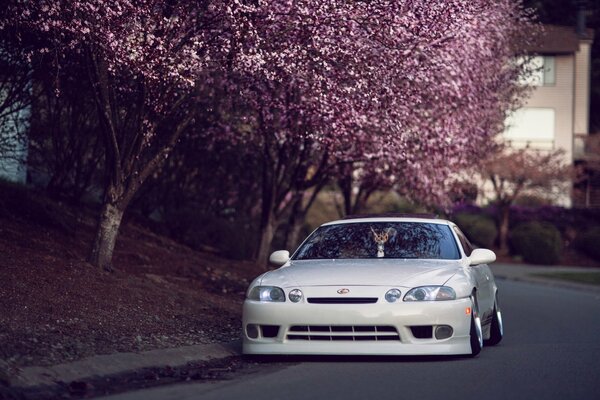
(417, 87)
(145, 61)
(514, 172)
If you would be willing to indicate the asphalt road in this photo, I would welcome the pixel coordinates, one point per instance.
(551, 350)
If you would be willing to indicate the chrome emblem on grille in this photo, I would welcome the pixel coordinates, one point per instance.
(343, 291)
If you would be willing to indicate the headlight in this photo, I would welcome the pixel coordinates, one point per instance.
(295, 295)
(392, 295)
(266, 293)
(430, 293)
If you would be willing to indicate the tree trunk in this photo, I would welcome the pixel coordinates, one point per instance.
(293, 238)
(345, 184)
(106, 235)
(295, 225)
(266, 238)
(295, 221)
(503, 225)
(360, 202)
(267, 212)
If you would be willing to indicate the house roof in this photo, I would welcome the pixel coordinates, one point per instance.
(557, 39)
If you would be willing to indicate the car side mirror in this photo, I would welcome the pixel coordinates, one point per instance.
(279, 257)
(482, 256)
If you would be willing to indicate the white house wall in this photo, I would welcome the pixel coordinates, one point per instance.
(560, 98)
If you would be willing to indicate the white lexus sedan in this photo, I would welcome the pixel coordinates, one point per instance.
(379, 286)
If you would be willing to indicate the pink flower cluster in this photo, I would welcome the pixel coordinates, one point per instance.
(416, 89)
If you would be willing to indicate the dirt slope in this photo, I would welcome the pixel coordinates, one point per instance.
(55, 307)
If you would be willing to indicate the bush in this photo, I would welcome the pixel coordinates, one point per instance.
(588, 243)
(231, 239)
(562, 218)
(479, 229)
(537, 243)
(529, 200)
(22, 203)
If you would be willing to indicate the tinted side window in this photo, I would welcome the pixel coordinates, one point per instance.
(464, 242)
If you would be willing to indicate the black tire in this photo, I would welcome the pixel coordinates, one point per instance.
(475, 334)
(497, 327)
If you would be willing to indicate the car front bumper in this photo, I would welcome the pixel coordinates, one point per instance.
(355, 329)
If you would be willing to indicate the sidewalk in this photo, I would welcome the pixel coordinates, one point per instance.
(527, 272)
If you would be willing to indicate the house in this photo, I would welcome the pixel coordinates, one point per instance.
(13, 145)
(556, 115)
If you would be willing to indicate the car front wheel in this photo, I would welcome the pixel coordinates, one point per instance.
(497, 327)
(476, 333)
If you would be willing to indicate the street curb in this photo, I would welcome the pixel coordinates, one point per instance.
(120, 363)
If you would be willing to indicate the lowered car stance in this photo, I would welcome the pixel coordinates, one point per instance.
(377, 286)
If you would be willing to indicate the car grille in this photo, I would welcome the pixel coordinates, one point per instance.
(342, 300)
(343, 332)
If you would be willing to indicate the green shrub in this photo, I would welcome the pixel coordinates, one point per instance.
(537, 243)
(589, 243)
(479, 229)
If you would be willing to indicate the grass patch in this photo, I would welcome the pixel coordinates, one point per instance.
(590, 278)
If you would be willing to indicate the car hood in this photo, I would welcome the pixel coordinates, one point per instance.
(371, 272)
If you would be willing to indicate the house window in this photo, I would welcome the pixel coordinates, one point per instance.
(542, 71)
(531, 127)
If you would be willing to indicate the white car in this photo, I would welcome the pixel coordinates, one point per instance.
(379, 286)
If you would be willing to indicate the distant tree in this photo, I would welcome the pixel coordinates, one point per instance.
(514, 172)
(433, 184)
(560, 12)
(359, 181)
(65, 143)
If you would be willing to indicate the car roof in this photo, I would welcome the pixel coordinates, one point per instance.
(392, 215)
(420, 218)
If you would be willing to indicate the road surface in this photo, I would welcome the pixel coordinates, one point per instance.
(551, 350)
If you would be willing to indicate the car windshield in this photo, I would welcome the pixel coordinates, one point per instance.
(380, 240)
